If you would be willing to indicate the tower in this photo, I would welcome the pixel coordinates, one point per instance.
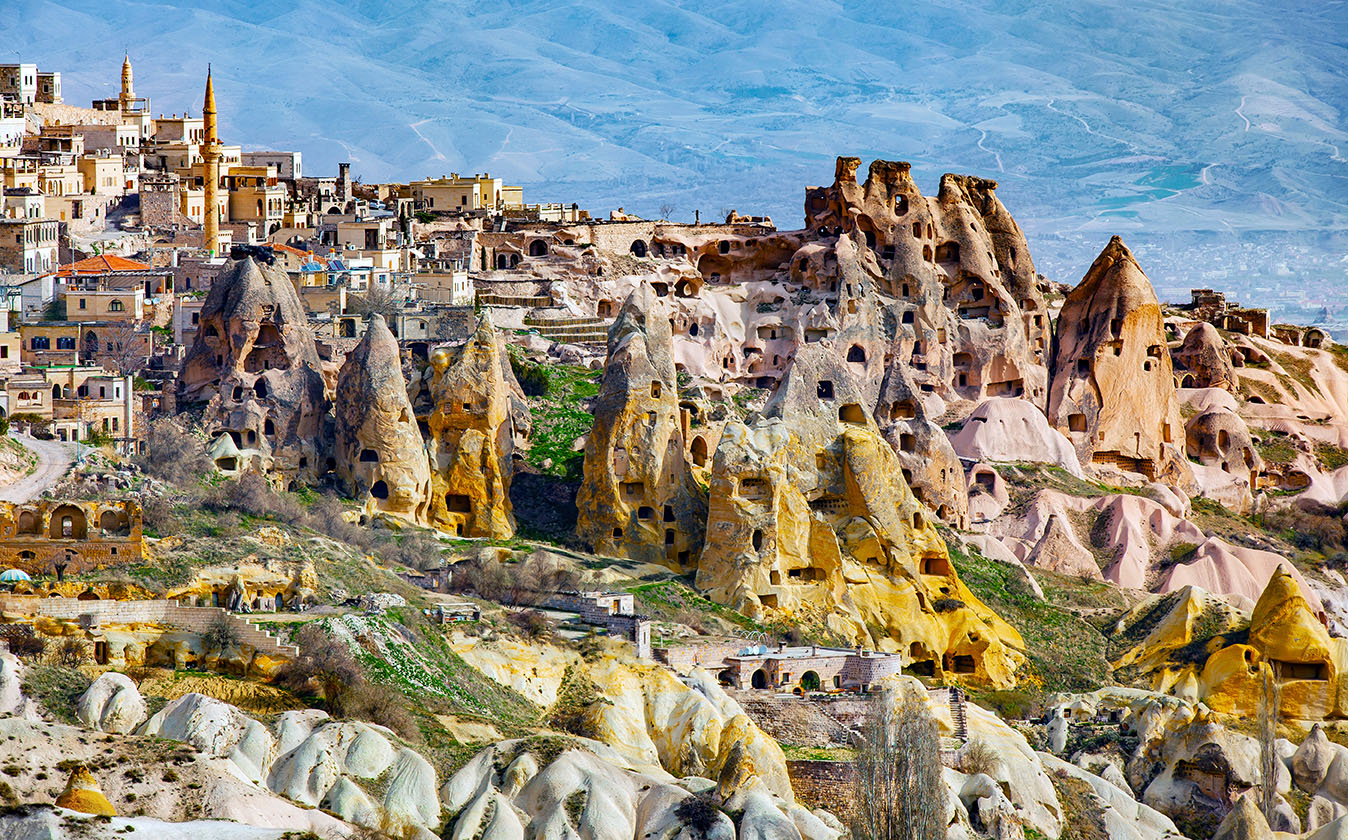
(210, 156)
(128, 96)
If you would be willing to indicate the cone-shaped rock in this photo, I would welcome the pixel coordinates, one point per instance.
(83, 794)
(472, 437)
(255, 365)
(381, 458)
(1113, 388)
(638, 498)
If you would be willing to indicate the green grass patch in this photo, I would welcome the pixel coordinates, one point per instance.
(561, 414)
(419, 662)
(57, 688)
(1330, 456)
(1276, 447)
(1064, 652)
(795, 752)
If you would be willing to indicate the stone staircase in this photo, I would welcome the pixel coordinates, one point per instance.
(531, 302)
(569, 330)
(959, 713)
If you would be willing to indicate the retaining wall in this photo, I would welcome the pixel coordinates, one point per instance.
(172, 613)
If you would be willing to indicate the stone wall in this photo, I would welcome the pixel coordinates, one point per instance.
(191, 619)
(792, 720)
(823, 784)
(684, 658)
(38, 535)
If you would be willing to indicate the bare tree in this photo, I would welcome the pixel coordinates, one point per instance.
(1270, 702)
(666, 210)
(377, 300)
(120, 347)
(899, 794)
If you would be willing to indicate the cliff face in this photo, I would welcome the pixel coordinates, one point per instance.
(380, 456)
(810, 518)
(1113, 389)
(638, 498)
(472, 437)
(969, 310)
(257, 369)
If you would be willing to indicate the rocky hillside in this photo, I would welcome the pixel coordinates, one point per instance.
(871, 485)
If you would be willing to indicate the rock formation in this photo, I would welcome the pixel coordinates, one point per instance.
(83, 794)
(1220, 441)
(1113, 390)
(1288, 637)
(380, 455)
(1003, 429)
(810, 520)
(638, 498)
(112, 703)
(931, 469)
(472, 436)
(256, 367)
(1205, 359)
(972, 317)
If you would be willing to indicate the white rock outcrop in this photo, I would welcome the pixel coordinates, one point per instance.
(112, 703)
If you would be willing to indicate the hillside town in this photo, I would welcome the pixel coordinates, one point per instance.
(417, 510)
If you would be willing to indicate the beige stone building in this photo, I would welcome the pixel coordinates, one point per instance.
(80, 535)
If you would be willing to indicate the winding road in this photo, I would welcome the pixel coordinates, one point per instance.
(53, 460)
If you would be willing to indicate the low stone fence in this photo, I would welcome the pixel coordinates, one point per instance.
(172, 613)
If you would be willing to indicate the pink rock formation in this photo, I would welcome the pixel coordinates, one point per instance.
(1113, 390)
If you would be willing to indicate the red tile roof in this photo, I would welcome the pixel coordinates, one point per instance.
(101, 264)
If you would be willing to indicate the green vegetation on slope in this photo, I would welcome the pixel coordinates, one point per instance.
(1065, 652)
(419, 662)
(559, 400)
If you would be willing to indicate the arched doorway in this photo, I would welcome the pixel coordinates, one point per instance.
(759, 679)
(699, 451)
(809, 681)
(538, 248)
(638, 248)
(68, 523)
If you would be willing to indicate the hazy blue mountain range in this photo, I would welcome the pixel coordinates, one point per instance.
(1213, 136)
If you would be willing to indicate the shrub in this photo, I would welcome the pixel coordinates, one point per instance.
(221, 634)
(532, 623)
(250, 494)
(416, 550)
(71, 653)
(326, 668)
(173, 455)
(698, 813)
(977, 757)
(26, 646)
(945, 605)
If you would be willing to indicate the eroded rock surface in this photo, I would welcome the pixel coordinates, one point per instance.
(1113, 389)
(380, 454)
(256, 367)
(638, 498)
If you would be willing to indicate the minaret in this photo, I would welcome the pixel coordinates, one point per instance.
(128, 94)
(210, 155)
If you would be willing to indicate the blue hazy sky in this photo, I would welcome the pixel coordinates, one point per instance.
(1168, 122)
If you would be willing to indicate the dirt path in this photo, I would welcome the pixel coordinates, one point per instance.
(53, 459)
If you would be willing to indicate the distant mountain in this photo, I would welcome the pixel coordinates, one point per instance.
(1172, 123)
